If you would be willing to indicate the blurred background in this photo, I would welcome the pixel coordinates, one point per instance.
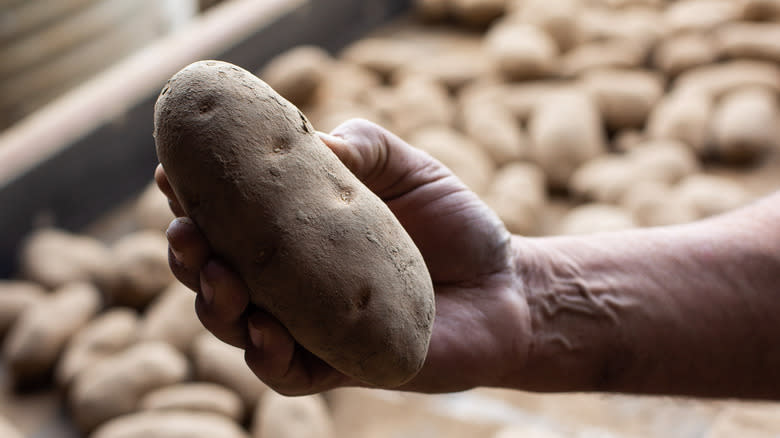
(564, 116)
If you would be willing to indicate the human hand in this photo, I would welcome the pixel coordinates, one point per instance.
(482, 325)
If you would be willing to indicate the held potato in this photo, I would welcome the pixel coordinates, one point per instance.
(317, 248)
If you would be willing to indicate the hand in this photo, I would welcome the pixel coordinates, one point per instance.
(481, 331)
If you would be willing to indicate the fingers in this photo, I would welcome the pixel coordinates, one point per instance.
(389, 166)
(165, 186)
(285, 366)
(222, 303)
(188, 251)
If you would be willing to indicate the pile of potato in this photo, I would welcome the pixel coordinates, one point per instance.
(565, 116)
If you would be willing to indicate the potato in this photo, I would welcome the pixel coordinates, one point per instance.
(744, 125)
(716, 80)
(54, 257)
(155, 424)
(521, 51)
(171, 318)
(413, 104)
(8, 430)
(700, 15)
(454, 67)
(470, 163)
(229, 143)
(565, 131)
(653, 203)
(477, 12)
(195, 397)
(710, 195)
(15, 297)
(217, 362)
(522, 98)
(113, 386)
(557, 18)
(604, 178)
(292, 417)
(595, 218)
(666, 161)
(750, 40)
(601, 54)
(345, 82)
(39, 335)
(683, 117)
(104, 336)
(138, 269)
(151, 210)
(624, 97)
(682, 52)
(518, 195)
(383, 56)
(297, 73)
(492, 126)
(627, 140)
(638, 25)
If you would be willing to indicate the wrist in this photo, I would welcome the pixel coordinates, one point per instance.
(574, 339)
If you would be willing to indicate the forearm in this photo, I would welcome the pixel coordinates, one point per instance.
(690, 310)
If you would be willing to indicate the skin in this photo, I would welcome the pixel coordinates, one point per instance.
(683, 310)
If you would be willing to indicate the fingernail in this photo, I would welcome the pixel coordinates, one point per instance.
(176, 254)
(256, 336)
(207, 290)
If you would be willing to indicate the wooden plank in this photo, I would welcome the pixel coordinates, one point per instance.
(90, 150)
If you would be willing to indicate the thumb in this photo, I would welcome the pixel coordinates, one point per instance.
(385, 163)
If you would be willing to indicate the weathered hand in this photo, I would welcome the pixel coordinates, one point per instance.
(482, 325)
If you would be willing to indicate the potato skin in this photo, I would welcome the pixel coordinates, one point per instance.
(317, 248)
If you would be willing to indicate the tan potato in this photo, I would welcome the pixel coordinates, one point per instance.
(154, 424)
(53, 258)
(595, 218)
(104, 336)
(454, 67)
(195, 397)
(39, 335)
(653, 203)
(494, 127)
(330, 115)
(217, 362)
(171, 318)
(639, 25)
(518, 195)
(414, 103)
(521, 51)
(557, 18)
(477, 12)
(229, 143)
(750, 40)
(682, 117)
(464, 157)
(113, 386)
(15, 297)
(700, 15)
(624, 97)
(383, 56)
(138, 269)
(565, 131)
(292, 417)
(528, 431)
(627, 140)
(522, 98)
(666, 161)
(604, 179)
(710, 195)
(716, 80)
(601, 54)
(682, 52)
(8, 430)
(744, 125)
(297, 73)
(151, 210)
(345, 82)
